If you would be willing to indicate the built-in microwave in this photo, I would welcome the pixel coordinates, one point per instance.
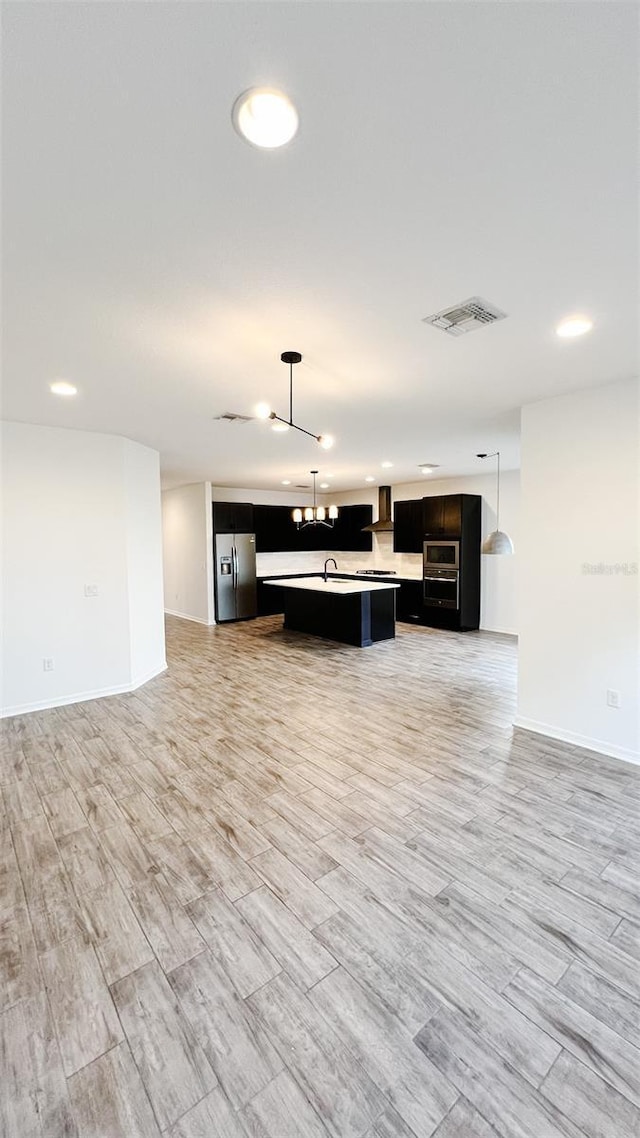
(440, 554)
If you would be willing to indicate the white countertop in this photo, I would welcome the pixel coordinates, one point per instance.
(333, 585)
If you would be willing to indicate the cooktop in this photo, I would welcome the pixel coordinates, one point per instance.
(377, 572)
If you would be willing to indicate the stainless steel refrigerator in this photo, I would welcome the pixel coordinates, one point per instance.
(235, 559)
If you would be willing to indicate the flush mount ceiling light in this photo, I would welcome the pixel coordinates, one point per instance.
(280, 424)
(265, 117)
(386, 465)
(315, 515)
(497, 542)
(573, 326)
(369, 478)
(62, 387)
(286, 482)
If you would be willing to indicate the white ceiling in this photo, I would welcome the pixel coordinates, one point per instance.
(446, 150)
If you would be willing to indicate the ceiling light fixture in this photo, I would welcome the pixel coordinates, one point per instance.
(369, 478)
(324, 485)
(315, 515)
(280, 424)
(286, 482)
(426, 470)
(265, 117)
(497, 542)
(386, 465)
(573, 326)
(61, 387)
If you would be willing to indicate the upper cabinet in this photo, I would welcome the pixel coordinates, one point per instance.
(233, 517)
(276, 532)
(408, 528)
(347, 533)
(441, 515)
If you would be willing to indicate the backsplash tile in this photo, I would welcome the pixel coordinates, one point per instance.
(381, 557)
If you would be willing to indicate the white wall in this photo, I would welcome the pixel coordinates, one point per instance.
(144, 559)
(187, 543)
(498, 611)
(579, 630)
(71, 500)
(263, 497)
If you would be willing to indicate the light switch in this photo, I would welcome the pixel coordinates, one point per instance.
(91, 590)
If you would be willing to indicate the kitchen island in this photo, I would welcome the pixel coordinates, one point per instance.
(351, 612)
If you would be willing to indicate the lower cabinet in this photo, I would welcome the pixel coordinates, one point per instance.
(409, 607)
(270, 599)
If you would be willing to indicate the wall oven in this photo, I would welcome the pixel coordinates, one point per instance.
(441, 573)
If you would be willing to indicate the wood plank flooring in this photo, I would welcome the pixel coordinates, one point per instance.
(292, 889)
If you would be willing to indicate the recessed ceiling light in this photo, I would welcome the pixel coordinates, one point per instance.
(574, 326)
(324, 485)
(61, 387)
(286, 481)
(426, 470)
(369, 478)
(386, 465)
(266, 117)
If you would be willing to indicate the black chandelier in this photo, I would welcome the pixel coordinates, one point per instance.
(315, 515)
(280, 424)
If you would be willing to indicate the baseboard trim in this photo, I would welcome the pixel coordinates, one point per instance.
(82, 697)
(184, 616)
(601, 748)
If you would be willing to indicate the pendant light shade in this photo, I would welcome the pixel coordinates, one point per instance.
(498, 541)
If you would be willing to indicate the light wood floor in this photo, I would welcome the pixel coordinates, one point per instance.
(292, 889)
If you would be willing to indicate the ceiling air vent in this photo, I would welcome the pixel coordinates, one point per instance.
(465, 317)
(232, 417)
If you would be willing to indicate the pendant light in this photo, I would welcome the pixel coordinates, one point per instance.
(280, 424)
(498, 541)
(315, 515)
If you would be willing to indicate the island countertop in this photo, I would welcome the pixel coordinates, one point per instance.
(340, 587)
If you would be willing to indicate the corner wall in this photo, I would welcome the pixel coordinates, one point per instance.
(579, 605)
(187, 549)
(81, 573)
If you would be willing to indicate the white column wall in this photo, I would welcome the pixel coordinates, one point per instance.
(144, 561)
(579, 607)
(70, 499)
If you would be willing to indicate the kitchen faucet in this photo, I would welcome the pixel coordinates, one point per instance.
(326, 563)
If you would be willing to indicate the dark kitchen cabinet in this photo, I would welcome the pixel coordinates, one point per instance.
(233, 517)
(276, 532)
(409, 606)
(408, 526)
(442, 514)
(347, 534)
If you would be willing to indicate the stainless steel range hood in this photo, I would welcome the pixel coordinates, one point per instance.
(384, 523)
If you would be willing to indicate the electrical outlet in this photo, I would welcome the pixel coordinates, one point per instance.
(91, 590)
(47, 664)
(613, 698)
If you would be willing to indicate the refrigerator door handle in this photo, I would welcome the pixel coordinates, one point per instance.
(234, 561)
